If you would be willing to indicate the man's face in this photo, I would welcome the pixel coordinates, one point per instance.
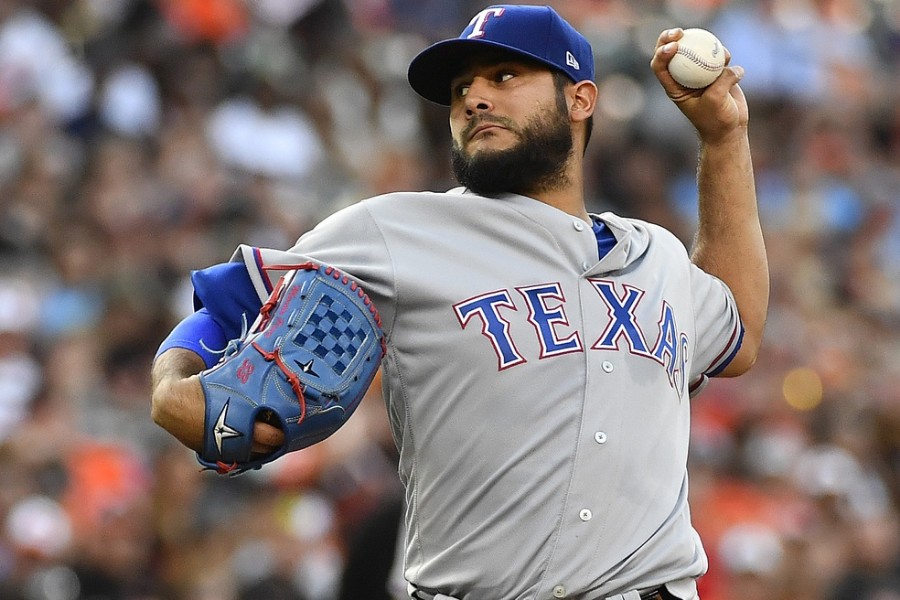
(510, 127)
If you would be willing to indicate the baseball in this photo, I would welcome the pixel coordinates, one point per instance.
(699, 59)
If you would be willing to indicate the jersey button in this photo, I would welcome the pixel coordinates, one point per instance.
(606, 366)
(578, 225)
(585, 514)
(600, 437)
(559, 591)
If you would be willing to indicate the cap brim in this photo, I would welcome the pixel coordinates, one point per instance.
(432, 70)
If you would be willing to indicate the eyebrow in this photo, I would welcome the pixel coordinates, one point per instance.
(497, 59)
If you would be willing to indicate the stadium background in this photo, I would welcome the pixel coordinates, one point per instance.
(140, 139)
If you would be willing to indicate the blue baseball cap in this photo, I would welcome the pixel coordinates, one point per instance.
(535, 32)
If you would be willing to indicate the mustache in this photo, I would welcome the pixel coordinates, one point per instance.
(486, 119)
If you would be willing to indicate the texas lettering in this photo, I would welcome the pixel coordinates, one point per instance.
(546, 307)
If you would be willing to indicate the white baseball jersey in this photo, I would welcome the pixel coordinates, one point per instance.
(539, 397)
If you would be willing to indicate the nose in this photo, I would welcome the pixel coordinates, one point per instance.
(478, 98)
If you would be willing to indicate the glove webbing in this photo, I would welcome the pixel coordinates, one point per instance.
(329, 270)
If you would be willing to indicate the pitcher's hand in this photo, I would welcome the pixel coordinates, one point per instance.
(717, 111)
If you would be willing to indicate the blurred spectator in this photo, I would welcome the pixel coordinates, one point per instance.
(20, 372)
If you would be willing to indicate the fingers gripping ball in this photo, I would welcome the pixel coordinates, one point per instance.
(304, 365)
(699, 60)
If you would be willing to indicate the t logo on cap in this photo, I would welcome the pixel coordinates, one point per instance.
(478, 21)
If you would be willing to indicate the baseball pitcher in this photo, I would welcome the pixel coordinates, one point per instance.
(538, 361)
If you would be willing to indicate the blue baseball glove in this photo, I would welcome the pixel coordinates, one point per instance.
(303, 366)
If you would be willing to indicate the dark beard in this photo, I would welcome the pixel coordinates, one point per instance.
(533, 165)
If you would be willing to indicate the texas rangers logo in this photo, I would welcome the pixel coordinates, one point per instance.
(479, 21)
(222, 431)
(546, 306)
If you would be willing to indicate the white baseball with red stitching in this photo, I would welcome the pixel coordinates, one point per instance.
(699, 60)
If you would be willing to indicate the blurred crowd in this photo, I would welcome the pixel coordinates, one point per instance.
(140, 139)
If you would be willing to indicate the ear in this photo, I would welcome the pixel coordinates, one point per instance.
(582, 100)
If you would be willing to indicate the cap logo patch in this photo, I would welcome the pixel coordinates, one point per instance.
(480, 20)
(570, 60)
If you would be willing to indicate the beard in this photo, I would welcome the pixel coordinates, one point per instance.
(535, 164)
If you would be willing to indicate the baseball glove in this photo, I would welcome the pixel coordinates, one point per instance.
(303, 366)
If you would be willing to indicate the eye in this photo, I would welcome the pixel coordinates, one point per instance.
(462, 90)
(505, 76)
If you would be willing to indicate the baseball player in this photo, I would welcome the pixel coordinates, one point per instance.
(540, 359)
